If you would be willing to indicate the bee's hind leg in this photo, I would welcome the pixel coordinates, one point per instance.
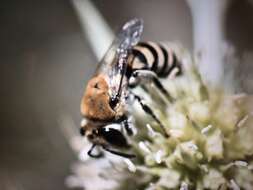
(99, 155)
(143, 76)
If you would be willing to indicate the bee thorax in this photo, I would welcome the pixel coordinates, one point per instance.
(96, 99)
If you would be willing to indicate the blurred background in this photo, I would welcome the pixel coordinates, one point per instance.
(46, 60)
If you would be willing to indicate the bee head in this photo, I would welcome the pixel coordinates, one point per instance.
(89, 130)
(95, 103)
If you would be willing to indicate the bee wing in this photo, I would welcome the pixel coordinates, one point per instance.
(114, 63)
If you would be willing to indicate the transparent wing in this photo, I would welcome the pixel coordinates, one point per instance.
(114, 63)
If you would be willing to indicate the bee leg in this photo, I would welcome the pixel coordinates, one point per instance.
(125, 123)
(142, 76)
(99, 155)
(150, 112)
(128, 128)
(162, 89)
(125, 155)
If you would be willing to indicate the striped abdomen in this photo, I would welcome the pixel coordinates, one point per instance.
(155, 57)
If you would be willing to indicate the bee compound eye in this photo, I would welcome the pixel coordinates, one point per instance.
(82, 131)
(114, 137)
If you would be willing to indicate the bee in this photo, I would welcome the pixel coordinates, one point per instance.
(127, 64)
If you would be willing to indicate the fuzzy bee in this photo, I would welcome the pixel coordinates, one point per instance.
(127, 64)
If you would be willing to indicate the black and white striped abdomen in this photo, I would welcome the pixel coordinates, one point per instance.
(157, 58)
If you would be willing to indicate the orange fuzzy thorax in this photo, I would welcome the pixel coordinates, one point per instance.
(95, 102)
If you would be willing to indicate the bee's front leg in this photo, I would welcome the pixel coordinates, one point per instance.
(99, 155)
(122, 154)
